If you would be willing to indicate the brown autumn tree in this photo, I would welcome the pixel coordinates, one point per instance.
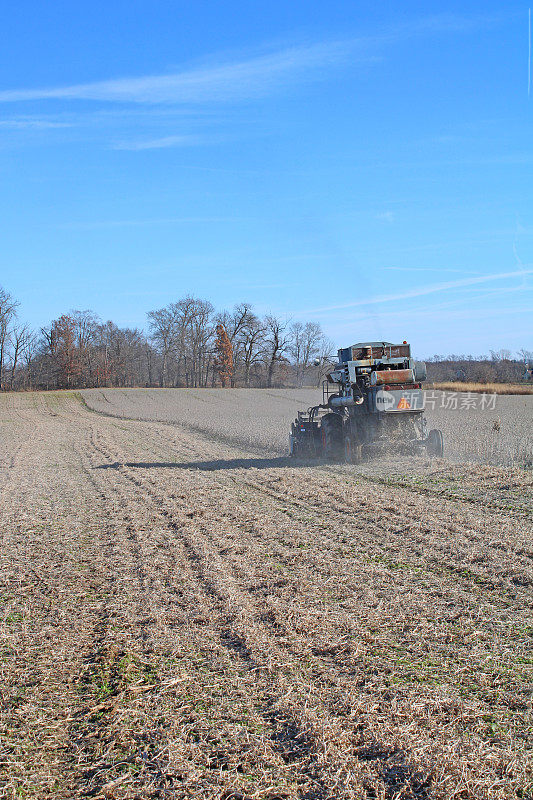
(224, 355)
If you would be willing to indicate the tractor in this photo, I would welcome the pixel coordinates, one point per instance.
(372, 403)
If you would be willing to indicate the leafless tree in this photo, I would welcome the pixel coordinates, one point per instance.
(525, 355)
(164, 333)
(304, 347)
(500, 355)
(324, 358)
(252, 345)
(22, 343)
(277, 342)
(182, 334)
(86, 326)
(8, 312)
(200, 341)
(28, 351)
(120, 356)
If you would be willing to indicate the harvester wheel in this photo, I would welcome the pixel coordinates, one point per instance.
(435, 443)
(331, 432)
(353, 453)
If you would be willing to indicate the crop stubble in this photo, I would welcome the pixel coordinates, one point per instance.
(186, 618)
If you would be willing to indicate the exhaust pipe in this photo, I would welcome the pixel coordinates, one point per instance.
(338, 401)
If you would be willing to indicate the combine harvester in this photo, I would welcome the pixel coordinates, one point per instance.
(373, 402)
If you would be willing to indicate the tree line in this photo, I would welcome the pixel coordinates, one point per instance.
(187, 343)
(501, 366)
(190, 344)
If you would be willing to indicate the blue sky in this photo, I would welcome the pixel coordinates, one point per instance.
(364, 164)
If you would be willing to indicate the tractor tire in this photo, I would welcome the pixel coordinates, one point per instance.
(292, 446)
(332, 442)
(435, 443)
(353, 452)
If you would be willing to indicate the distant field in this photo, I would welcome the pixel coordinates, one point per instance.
(487, 388)
(494, 431)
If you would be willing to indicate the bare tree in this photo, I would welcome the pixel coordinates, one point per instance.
(8, 312)
(22, 340)
(86, 325)
(499, 355)
(120, 356)
(28, 351)
(304, 347)
(277, 344)
(525, 355)
(77, 350)
(251, 344)
(324, 358)
(201, 341)
(164, 327)
(182, 334)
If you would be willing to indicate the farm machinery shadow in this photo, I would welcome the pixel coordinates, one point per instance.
(209, 466)
(274, 462)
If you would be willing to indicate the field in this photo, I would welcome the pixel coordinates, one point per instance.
(187, 614)
(488, 388)
(490, 429)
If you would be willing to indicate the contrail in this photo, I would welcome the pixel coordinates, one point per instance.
(529, 59)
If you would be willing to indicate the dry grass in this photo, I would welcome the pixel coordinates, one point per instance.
(484, 388)
(183, 618)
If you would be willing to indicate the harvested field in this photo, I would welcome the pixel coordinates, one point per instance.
(485, 388)
(490, 430)
(186, 614)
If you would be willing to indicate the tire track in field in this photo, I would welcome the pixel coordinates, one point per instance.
(240, 649)
(96, 651)
(377, 518)
(453, 574)
(493, 511)
(271, 617)
(18, 457)
(229, 608)
(466, 532)
(43, 549)
(291, 737)
(127, 630)
(248, 636)
(260, 611)
(210, 570)
(484, 503)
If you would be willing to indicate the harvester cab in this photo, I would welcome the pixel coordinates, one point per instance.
(372, 402)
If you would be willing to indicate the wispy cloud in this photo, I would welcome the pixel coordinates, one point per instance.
(444, 315)
(249, 78)
(420, 291)
(29, 123)
(459, 308)
(162, 142)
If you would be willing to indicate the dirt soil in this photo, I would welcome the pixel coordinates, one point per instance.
(185, 617)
